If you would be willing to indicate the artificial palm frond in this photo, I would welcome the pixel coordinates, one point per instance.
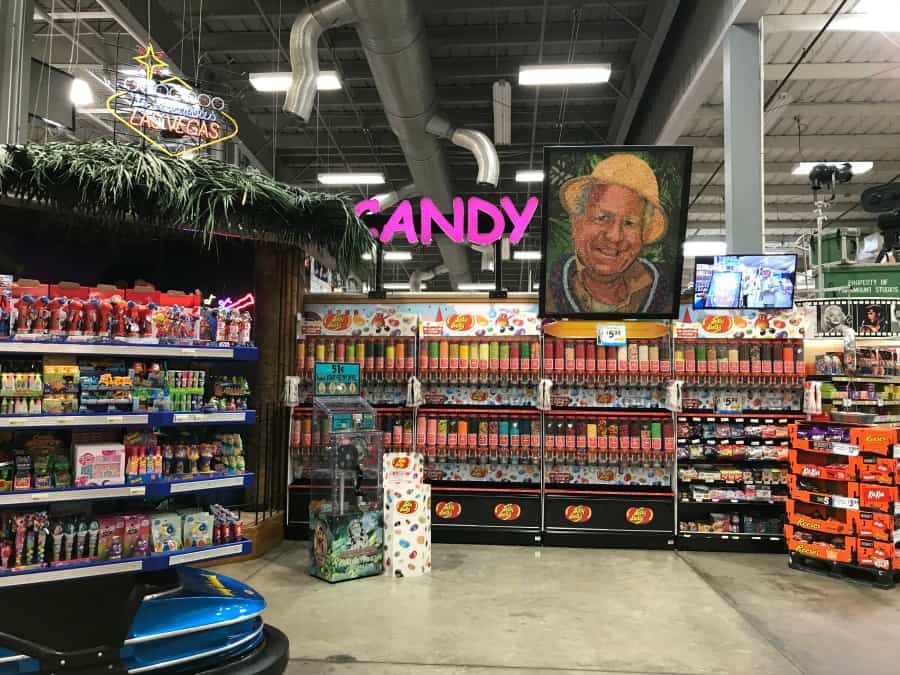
(116, 183)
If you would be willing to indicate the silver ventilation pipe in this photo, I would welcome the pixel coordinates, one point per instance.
(417, 278)
(305, 33)
(388, 199)
(392, 33)
(475, 142)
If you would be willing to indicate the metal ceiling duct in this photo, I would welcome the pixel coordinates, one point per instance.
(392, 33)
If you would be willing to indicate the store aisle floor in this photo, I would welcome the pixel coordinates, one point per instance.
(519, 611)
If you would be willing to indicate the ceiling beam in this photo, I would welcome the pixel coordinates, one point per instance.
(657, 20)
(829, 144)
(522, 35)
(883, 70)
(807, 110)
(689, 67)
(812, 23)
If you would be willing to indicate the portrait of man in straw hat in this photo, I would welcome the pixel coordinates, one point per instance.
(613, 245)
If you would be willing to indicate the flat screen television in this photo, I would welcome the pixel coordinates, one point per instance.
(745, 281)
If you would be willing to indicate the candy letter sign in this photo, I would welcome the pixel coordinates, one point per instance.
(462, 227)
(163, 109)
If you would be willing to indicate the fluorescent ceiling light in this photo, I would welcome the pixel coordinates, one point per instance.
(366, 256)
(570, 73)
(880, 15)
(803, 168)
(397, 256)
(80, 92)
(529, 176)
(351, 178)
(399, 286)
(476, 286)
(327, 80)
(526, 255)
(699, 247)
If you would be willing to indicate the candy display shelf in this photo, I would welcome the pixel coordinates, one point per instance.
(152, 563)
(127, 349)
(154, 419)
(154, 490)
(842, 515)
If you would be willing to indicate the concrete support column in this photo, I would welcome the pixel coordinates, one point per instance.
(15, 69)
(743, 116)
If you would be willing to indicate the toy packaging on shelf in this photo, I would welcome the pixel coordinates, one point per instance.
(69, 312)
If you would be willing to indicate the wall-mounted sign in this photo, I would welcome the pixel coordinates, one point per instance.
(463, 226)
(169, 113)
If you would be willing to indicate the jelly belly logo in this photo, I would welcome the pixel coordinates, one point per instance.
(400, 462)
(460, 322)
(639, 515)
(338, 321)
(507, 512)
(578, 513)
(462, 227)
(448, 510)
(716, 324)
(407, 507)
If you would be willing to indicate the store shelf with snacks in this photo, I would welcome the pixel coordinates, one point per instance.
(381, 339)
(125, 349)
(154, 562)
(821, 546)
(589, 374)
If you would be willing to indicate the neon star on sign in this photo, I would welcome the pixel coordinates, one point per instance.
(160, 109)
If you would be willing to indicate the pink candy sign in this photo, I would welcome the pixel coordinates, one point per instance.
(462, 227)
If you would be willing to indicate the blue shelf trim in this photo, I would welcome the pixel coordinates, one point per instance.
(15, 347)
(153, 490)
(155, 419)
(152, 563)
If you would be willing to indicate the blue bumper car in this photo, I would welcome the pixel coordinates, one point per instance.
(182, 621)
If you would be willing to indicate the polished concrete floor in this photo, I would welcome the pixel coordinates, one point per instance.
(520, 611)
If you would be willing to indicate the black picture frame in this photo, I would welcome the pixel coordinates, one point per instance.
(680, 227)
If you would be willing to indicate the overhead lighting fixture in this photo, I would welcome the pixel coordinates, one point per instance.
(569, 73)
(475, 286)
(536, 286)
(880, 15)
(327, 80)
(397, 256)
(526, 255)
(803, 168)
(351, 178)
(366, 256)
(701, 247)
(80, 93)
(398, 286)
(530, 176)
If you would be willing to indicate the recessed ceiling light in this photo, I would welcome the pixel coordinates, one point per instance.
(803, 168)
(351, 178)
(701, 247)
(526, 255)
(327, 80)
(397, 256)
(569, 73)
(529, 176)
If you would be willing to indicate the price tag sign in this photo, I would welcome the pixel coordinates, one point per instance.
(845, 449)
(611, 335)
(839, 502)
(337, 379)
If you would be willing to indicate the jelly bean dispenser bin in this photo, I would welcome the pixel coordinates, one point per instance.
(345, 511)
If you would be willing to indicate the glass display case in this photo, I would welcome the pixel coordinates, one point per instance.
(345, 508)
